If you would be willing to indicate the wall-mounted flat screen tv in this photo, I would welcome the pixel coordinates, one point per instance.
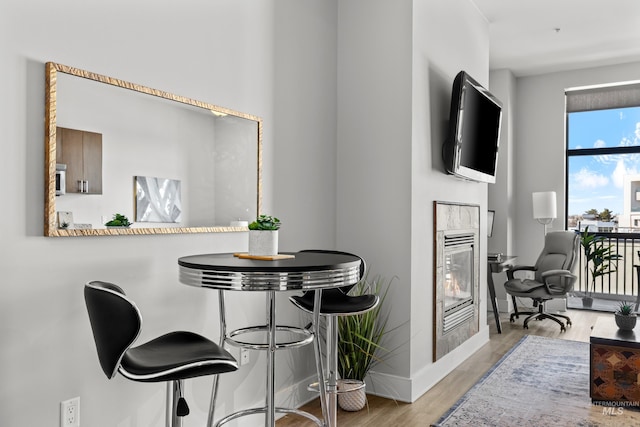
(471, 148)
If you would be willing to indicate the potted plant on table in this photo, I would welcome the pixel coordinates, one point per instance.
(625, 317)
(359, 346)
(263, 235)
(598, 261)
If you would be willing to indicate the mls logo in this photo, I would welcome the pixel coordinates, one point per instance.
(613, 411)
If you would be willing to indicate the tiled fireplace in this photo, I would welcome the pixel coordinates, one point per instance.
(456, 269)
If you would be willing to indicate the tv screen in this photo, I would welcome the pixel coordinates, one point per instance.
(471, 148)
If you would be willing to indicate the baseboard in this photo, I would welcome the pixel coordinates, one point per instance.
(395, 387)
(410, 389)
(389, 386)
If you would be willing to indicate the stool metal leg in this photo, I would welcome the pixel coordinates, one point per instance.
(223, 335)
(270, 412)
(332, 371)
(318, 354)
(168, 417)
(212, 404)
(173, 393)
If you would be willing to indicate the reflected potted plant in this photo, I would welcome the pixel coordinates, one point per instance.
(598, 257)
(625, 317)
(359, 346)
(263, 236)
(119, 221)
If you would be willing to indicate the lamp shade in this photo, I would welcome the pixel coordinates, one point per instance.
(544, 205)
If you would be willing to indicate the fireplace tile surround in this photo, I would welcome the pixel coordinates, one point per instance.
(456, 275)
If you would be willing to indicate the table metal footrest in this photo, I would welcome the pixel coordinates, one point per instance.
(305, 337)
(263, 410)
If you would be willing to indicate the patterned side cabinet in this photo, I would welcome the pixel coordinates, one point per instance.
(614, 363)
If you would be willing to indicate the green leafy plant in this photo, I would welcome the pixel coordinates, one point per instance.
(625, 308)
(118, 220)
(359, 347)
(265, 222)
(598, 256)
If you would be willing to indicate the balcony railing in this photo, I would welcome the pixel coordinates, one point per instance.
(623, 279)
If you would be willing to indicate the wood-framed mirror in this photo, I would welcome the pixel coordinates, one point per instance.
(168, 163)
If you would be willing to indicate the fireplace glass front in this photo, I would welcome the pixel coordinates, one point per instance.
(458, 278)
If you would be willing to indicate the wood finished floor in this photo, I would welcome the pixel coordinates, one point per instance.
(434, 403)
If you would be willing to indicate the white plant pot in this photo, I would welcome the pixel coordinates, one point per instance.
(263, 242)
(351, 395)
(626, 323)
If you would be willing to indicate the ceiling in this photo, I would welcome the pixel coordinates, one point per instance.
(524, 35)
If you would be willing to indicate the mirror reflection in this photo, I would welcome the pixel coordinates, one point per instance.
(106, 137)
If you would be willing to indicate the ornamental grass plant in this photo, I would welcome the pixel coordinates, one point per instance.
(360, 335)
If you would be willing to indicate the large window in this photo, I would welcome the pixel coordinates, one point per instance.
(603, 158)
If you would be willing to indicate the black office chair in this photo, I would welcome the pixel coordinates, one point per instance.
(116, 323)
(334, 303)
(553, 277)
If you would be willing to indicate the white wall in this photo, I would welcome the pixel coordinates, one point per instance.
(396, 65)
(216, 51)
(305, 122)
(540, 145)
(355, 108)
(502, 83)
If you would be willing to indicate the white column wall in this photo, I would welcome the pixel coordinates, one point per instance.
(396, 66)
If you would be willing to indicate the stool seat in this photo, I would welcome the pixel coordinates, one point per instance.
(176, 355)
(336, 302)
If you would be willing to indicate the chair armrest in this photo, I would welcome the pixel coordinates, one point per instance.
(516, 268)
(568, 283)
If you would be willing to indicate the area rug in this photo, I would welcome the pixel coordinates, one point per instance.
(539, 382)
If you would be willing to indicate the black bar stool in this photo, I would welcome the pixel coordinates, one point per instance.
(116, 323)
(334, 303)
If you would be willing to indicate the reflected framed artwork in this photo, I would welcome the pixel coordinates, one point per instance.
(158, 199)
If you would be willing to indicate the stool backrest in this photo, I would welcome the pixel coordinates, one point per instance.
(115, 321)
(343, 289)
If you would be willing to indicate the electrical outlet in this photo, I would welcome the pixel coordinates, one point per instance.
(244, 356)
(70, 413)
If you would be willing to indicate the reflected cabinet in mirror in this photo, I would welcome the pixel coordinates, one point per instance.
(144, 161)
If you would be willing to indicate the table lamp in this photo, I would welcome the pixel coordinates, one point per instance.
(544, 208)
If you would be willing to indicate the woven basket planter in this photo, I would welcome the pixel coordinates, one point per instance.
(351, 395)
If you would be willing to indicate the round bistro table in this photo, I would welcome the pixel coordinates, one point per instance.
(295, 271)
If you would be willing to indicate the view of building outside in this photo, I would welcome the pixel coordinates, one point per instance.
(603, 170)
(603, 191)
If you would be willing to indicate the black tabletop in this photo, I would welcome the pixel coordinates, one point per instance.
(306, 271)
(303, 261)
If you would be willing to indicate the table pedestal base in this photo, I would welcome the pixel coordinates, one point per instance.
(265, 410)
(232, 338)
